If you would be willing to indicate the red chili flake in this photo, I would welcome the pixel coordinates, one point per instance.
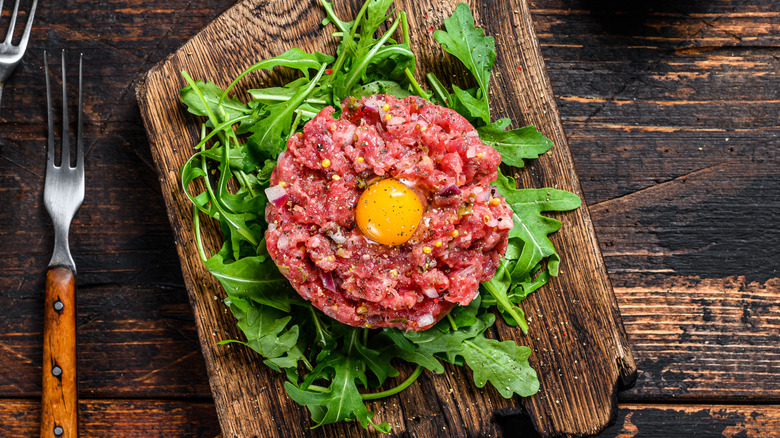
(435, 301)
(430, 29)
(518, 68)
(527, 111)
(329, 71)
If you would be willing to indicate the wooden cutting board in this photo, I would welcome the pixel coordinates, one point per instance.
(580, 348)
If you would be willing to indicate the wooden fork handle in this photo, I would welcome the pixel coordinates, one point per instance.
(59, 403)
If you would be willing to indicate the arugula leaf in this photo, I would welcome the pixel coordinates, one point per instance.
(269, 135)
(378, 361)
(381, 87)
(464, 102)
(531, 226)
(498, 288)
(256, 278)
(514, 145)
(341, 400)
(503, 364)
(231, 108)
(267, 333)
(470, 45)
(325, 361)
(439, 91)
(293, 58)
(446, 345)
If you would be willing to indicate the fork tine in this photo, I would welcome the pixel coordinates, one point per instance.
(80, 131)
(28, 26)
(10, 34)
(50, 144)
(65, 160)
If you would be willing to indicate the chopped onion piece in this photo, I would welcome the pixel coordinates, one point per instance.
(327, 281)
(450, 190)
(372, 103)
(395, 121)
(276, 194)
(483, 196)
(425, 320)
(430, 292)
(338, 236)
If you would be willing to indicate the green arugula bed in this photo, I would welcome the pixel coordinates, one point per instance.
(330, 367)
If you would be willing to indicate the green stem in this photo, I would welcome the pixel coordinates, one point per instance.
(332, 16)
(295, 122)
(348, 47)
(506, 305)
(405, 30)
(302, 112)
(416, 85)
(277, 98)
(396, 390)
(196, 89)
(438, 89)
(357, 71)
(198, 239)
(317, 388)
(243, 178)
(452, 322)
(220, 128)
(318, 325)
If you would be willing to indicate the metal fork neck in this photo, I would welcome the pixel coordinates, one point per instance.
(61, 254)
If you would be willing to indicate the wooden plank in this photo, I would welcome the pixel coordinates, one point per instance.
(702, 339)
(133, 342)
(136, 331)
(117, 417)
(138, 325)
(674, 420)
(638, 102)
(673, 121)
(167, 418)
(582, 353)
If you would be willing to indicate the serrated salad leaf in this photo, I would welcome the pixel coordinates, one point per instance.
(531, 226)
(475, 50)
(331, 368)
(515, 145)
(503, 364)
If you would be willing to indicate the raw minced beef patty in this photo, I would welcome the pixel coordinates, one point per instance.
(313, 236)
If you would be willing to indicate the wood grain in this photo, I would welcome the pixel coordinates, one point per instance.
(118, 417)
(580, 347)
(717, 339)
(648, 93)
(59, 402)
(675, 420)
(173, 418)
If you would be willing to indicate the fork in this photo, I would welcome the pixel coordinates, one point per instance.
(63, 193)
(10, 55)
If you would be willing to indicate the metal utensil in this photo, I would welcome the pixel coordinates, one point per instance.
(10, 55)
(63, 193)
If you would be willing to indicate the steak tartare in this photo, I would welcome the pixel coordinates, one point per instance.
(318, 245)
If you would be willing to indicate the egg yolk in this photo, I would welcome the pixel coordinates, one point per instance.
(388, 212)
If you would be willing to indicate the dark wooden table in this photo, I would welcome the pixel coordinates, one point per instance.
(672, 110)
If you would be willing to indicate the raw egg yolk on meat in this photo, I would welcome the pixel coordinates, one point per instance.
(388, 212)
